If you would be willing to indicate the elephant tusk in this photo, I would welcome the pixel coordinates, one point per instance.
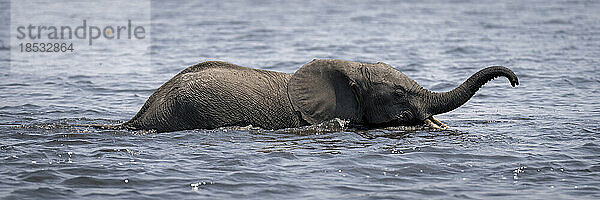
(431, 124)
(437, 122)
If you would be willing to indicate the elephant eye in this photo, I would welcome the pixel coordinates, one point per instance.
(399, 89)
(399, 93)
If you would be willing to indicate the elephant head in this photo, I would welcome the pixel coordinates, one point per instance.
(375, 94)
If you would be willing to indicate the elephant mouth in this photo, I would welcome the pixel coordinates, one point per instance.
(396, 122)
(427, 123)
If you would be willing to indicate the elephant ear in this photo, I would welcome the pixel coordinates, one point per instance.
(325, 89)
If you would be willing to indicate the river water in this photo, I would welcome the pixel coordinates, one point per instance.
(539, 140)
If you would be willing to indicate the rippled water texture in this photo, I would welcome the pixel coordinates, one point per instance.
(538, 140)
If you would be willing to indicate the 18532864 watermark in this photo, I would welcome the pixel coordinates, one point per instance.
(103, 33)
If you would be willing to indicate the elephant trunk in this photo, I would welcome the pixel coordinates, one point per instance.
(448, 101)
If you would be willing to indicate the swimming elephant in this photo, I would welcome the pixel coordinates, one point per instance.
(214, 94)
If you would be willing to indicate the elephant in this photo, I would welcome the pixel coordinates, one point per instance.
(217, 94)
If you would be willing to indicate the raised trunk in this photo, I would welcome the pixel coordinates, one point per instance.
(446, 101)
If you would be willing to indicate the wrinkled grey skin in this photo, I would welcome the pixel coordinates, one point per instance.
(215, 94)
